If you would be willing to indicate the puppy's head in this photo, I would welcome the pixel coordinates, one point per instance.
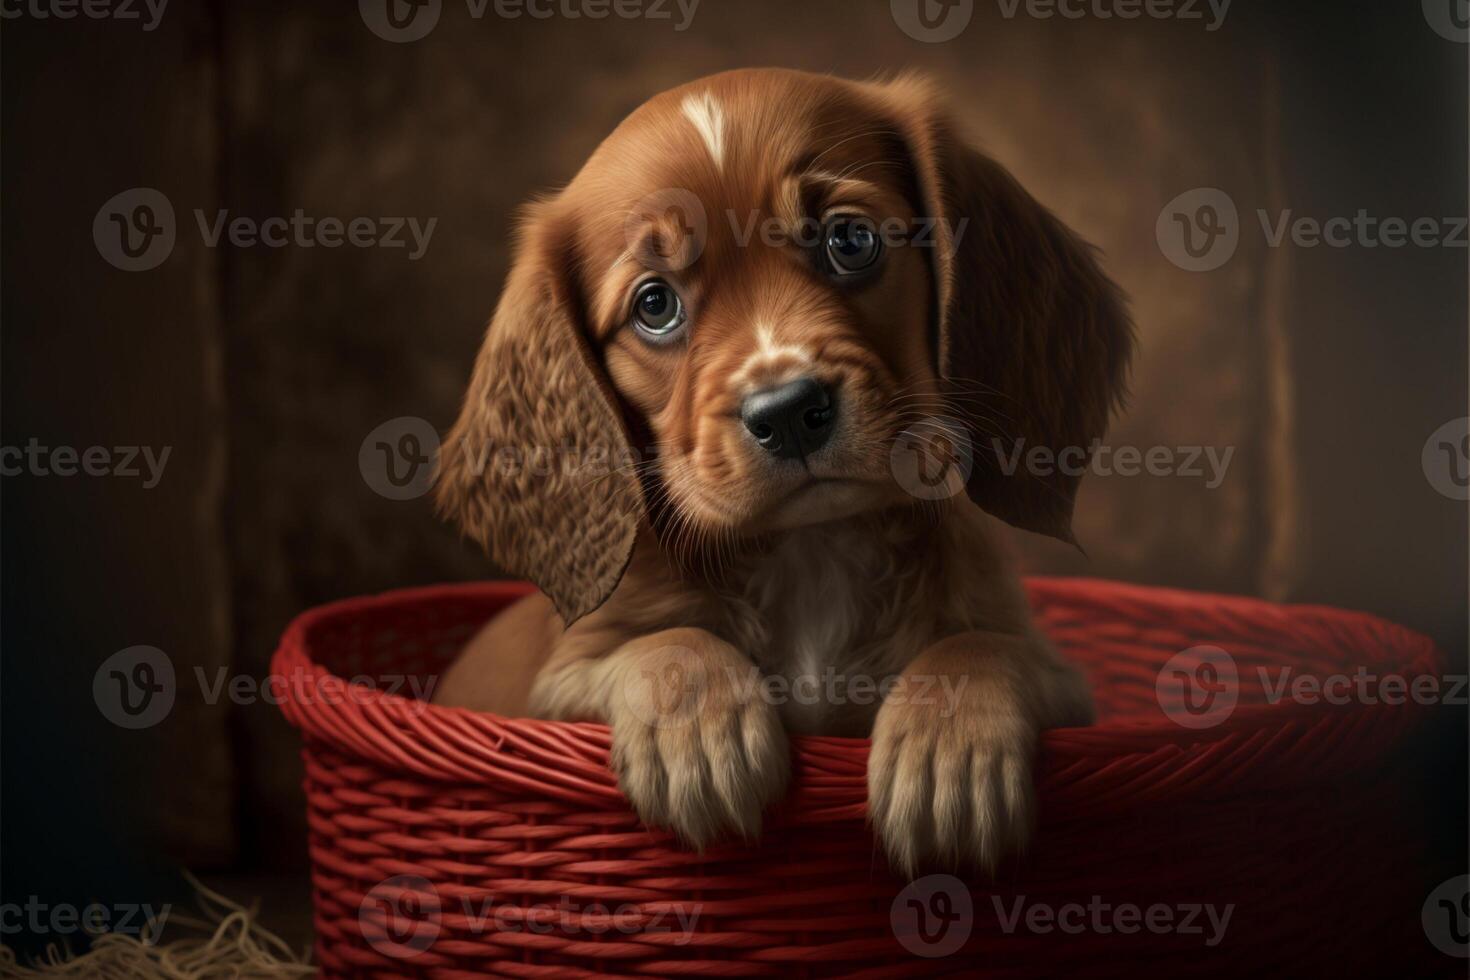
(762, 279)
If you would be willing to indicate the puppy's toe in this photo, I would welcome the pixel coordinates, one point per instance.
(945, 795)
(641, 773)
(749, 764)
(706, 778)
(899, 794)
(1001, 793)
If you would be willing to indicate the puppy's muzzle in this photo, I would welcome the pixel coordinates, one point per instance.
(791, 421)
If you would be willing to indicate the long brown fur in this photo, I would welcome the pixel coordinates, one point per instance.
(691, 582)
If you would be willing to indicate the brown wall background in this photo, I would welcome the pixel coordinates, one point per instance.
(265, 368)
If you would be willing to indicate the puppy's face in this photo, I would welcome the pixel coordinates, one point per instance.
(753, 263)
(767, 275)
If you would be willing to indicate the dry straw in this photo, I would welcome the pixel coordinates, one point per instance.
(227, 942)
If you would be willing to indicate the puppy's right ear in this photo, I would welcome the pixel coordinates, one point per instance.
(1024, 315)
(536, 469)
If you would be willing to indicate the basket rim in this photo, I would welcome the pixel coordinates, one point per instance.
(1122, 763)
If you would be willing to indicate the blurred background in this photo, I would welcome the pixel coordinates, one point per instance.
(1323, 370)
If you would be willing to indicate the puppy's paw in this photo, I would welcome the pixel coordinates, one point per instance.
(950, 779)
(695, 749)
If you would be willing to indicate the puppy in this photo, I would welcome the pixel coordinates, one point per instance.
(824, 324)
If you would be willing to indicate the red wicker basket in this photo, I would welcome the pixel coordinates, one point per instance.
(448, 843)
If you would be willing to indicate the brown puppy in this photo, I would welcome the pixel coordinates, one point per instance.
(803, 300)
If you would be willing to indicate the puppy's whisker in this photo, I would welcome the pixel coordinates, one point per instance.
(851, 170)
(962, 396)
(955, 386)
(919, 407)
(855, 136)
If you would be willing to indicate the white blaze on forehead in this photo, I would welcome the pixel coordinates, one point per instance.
(709, 120)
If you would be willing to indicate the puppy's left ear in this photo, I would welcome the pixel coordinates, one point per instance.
(1032, 339)
(538, 467)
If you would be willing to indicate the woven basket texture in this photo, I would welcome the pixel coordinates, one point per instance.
(448, 843)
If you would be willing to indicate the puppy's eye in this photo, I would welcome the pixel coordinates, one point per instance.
(852, 244)
(657, 312)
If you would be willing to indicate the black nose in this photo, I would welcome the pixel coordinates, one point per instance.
(792, 420)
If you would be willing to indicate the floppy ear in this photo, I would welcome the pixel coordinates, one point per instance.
(536, 468)
(1032, 339)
